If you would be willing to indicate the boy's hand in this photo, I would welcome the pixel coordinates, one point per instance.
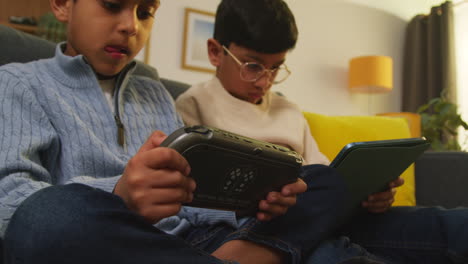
(381, 202)
(277, 203)
(155, 182)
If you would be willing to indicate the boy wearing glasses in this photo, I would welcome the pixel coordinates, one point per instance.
(249, 48)
(249, 59)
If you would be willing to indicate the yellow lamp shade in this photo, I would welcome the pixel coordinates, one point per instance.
(371, 74)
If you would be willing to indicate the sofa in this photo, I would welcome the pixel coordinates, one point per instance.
(440, 178)
(436, 179)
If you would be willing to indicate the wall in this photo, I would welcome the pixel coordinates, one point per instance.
(331, 32)
(23, 8)
(167, 39)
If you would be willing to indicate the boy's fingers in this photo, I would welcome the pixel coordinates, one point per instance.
(397, 183)
(157, 138)
(262, 216)
(153, 141)
(166, 158)
(278, 199)
(268, 211)
(380, 202)
(380, 206)
(169, 196)
(171, 179)
(382, 196)
(294, 188)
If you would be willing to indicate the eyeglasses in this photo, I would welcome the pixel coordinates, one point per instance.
(252, 71)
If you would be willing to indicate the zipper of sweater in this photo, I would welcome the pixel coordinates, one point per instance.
(120, 131)
(118, 85)
(118, 121)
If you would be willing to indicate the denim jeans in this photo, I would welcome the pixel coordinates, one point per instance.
(401, 235)
(79, 224)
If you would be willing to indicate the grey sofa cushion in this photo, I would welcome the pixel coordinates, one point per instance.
(17, 46)
(175, 88)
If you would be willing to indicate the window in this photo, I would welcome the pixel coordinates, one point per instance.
(461, 49)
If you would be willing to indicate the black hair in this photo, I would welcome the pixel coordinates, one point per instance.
(266, 26)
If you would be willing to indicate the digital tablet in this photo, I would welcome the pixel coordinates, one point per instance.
(233, 172)
(368, 167)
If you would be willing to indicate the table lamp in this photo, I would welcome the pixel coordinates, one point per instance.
(370, 74)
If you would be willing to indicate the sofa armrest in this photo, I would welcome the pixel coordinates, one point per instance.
(442, 179)
(18, 46)
(175, 88)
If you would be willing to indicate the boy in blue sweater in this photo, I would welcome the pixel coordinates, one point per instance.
(82, 176)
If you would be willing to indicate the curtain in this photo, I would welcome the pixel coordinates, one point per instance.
(429, 58)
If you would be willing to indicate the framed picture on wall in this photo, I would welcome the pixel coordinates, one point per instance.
(198, 28)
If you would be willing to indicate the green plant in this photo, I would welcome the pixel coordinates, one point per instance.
(440, 123)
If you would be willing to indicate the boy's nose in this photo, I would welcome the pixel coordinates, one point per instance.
(264, 82)
(129, 23)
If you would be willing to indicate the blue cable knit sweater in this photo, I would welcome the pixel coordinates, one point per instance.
(56, 127)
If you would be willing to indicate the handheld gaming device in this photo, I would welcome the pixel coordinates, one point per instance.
(233, 172)
(368, 167)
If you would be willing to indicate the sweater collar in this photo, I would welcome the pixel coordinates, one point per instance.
(75, 72)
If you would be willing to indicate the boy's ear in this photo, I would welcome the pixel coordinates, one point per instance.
(61, 9)
(215, 50)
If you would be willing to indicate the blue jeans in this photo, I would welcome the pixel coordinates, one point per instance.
(401, 235)
(79, 224)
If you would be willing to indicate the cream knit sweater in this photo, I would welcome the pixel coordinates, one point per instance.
(275, 120)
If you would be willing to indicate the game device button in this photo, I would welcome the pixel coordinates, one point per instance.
(198, 129)
(257, 151)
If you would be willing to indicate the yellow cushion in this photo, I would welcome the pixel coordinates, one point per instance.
(332, 133)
